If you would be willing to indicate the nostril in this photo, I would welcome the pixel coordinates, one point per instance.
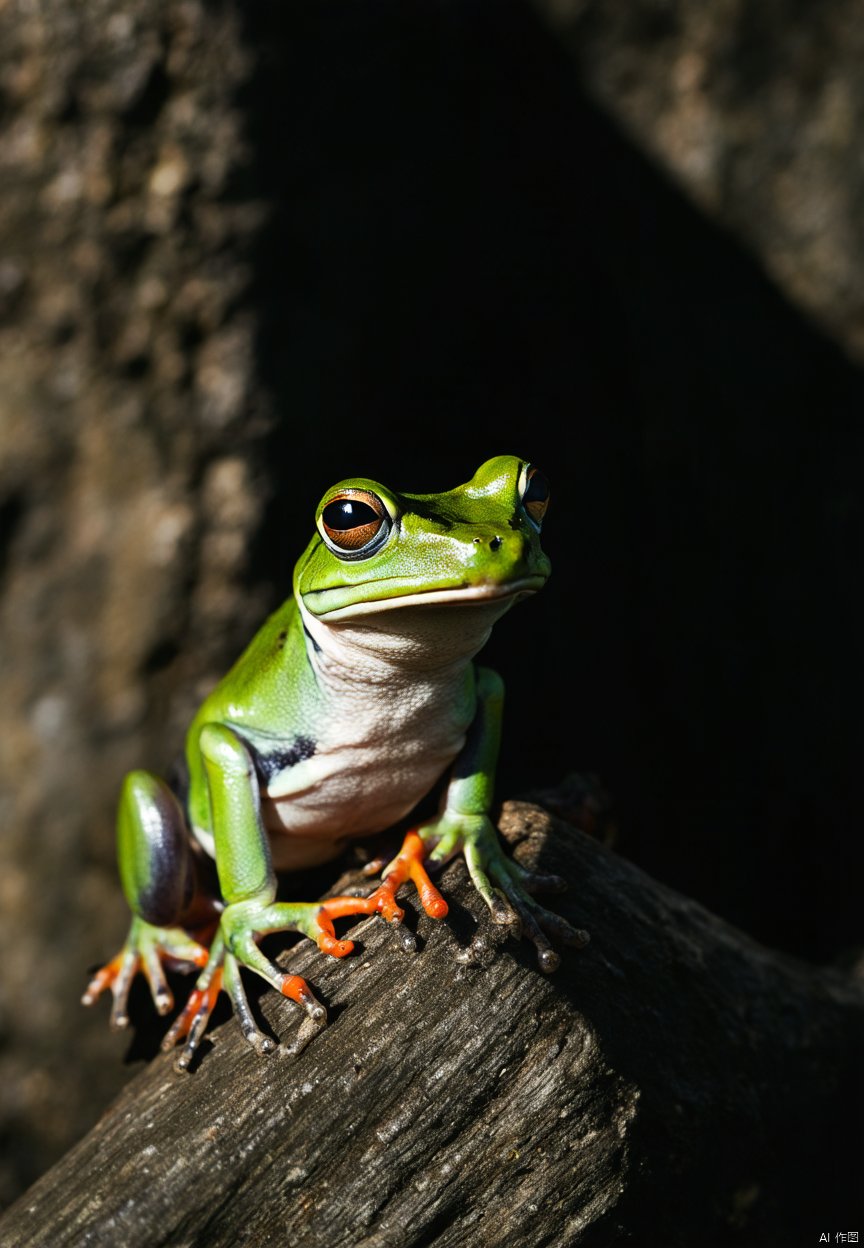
(495, 543)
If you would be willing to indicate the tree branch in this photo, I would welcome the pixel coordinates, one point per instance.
(674, 1083)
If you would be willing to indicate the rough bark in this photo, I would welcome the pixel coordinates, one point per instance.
(674, 1083)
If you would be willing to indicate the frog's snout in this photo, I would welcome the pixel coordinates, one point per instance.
(498, 556)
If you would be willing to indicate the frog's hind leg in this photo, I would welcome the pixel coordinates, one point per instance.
(158, 870)
(248, 885)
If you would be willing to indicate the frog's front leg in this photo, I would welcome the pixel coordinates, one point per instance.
(157, 870)
(248, 885)
(464, 826)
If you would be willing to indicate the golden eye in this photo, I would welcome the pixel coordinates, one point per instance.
(354, 520)
(535, 496)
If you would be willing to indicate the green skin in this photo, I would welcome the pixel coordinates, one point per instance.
(351, 702)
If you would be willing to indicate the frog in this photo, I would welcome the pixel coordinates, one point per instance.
(358, 698)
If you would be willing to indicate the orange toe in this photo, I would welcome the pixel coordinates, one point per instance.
(408, 865)
(201, 1002)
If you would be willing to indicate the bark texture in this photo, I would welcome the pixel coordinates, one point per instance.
(672, 1084)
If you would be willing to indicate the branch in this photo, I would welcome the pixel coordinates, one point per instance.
(673, 1083)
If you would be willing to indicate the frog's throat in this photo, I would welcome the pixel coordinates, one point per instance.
(316, 601)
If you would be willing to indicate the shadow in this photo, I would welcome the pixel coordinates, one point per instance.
(464, 258)
(148, 1029)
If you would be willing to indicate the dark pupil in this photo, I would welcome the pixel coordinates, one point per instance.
(346, 513)
(537, 490)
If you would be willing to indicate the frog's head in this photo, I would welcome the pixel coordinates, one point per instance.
(477, 545)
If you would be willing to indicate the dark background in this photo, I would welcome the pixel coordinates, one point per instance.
(467, 259)
(246, 251)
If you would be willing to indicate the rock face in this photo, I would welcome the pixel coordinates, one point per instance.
(756, 111)
(128, 412)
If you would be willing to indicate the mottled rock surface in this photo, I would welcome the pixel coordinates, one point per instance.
(756, 110)
(128, 484)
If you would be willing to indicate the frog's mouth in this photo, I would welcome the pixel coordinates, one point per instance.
(405, 595)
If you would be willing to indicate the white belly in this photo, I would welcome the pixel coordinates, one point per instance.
(390, 756)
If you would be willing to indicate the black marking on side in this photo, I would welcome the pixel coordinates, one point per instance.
(163, 899)
(268, 765)
(315, 645)
(515, 521)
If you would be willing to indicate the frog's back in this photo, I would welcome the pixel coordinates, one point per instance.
(268, 684)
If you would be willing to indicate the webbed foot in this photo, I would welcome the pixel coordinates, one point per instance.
(407, 865)
(147, 949)
(235, 946)
(509, 891)
(507, 888)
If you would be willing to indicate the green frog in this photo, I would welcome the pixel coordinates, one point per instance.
(357, 696)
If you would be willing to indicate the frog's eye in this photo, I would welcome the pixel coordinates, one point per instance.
(535, 495)
(355, 522)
